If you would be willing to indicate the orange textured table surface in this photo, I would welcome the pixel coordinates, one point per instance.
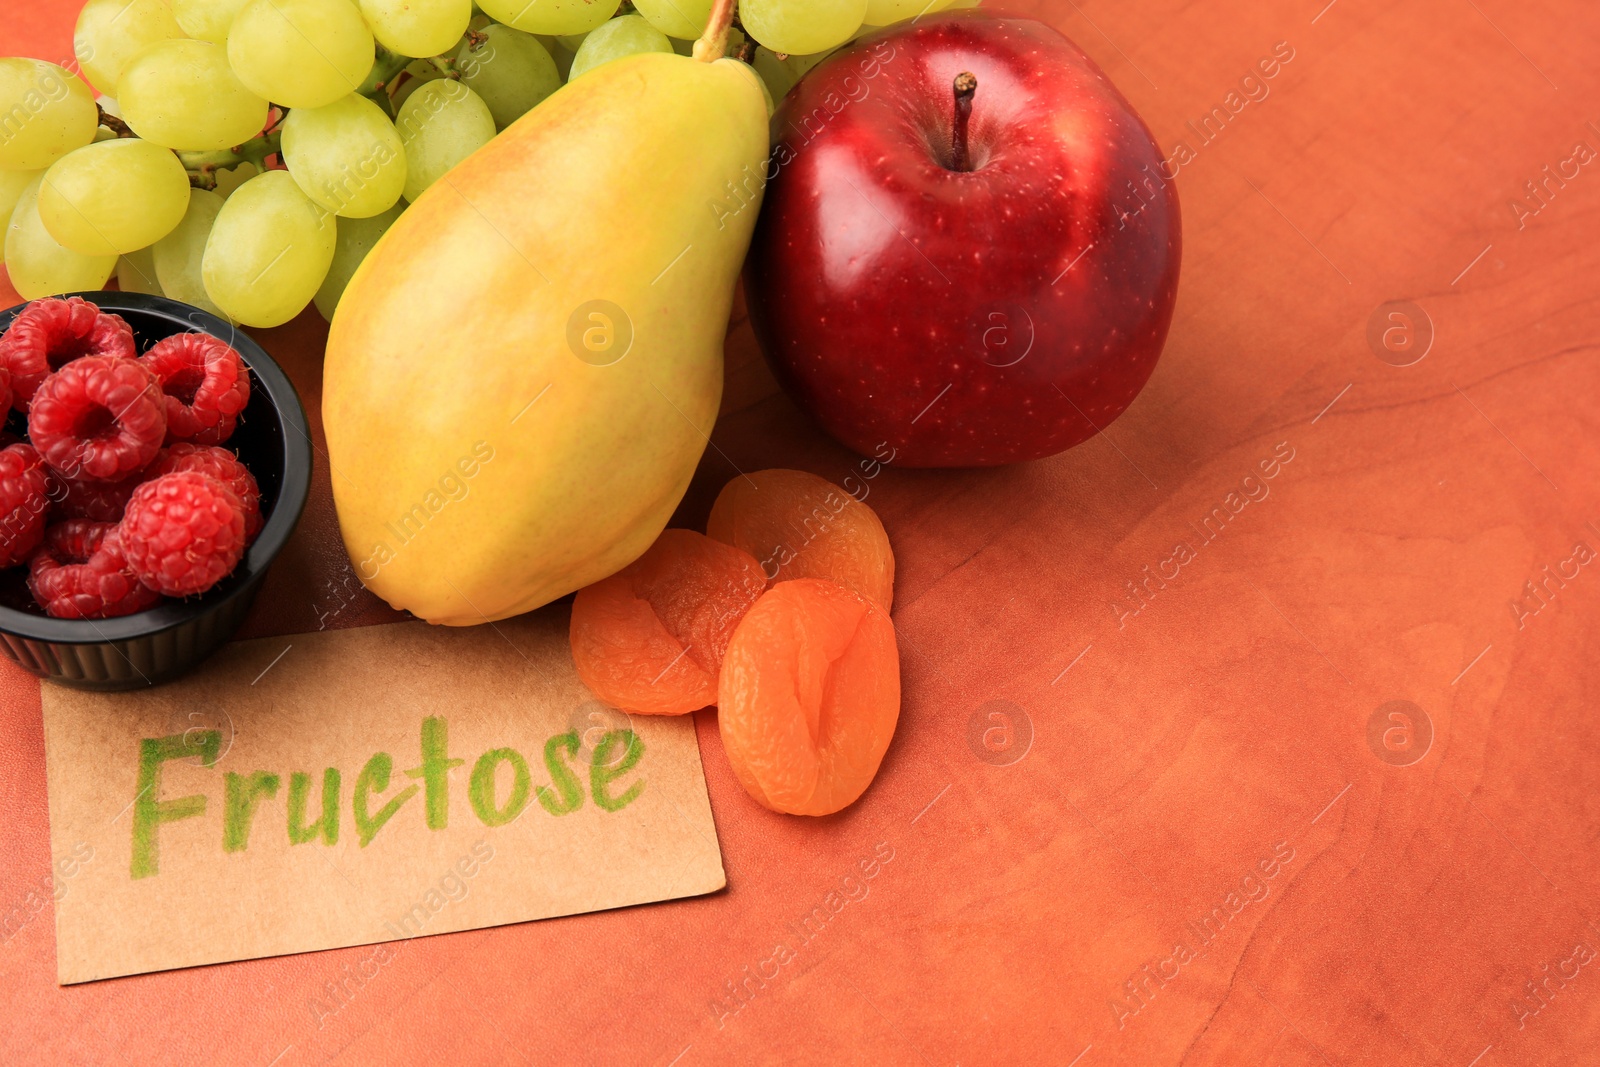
(1217, 847)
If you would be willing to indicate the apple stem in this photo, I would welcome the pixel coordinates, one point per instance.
(713, 44)
(965, 87)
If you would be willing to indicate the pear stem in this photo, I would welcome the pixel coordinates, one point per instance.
(966, 86)
(713, 44)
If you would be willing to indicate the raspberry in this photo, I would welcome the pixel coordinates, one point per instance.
(222, 465)
(99, 418)
(24, 500)
(206, 385)
(48, 334)
(79, 498)
(183, 532)
(80, 573)
(5, 386)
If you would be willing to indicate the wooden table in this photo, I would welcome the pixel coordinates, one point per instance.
(1211, 759)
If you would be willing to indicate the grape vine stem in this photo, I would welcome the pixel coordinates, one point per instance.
(446, 66)
(384, 68)
(112, 123)
(203, 166)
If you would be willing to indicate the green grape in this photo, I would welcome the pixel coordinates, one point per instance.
(38, 264)
(573, 41)
(888, 12)
(356, 238)
(136, 273)
(801, 27)
(230, 179)
(44, 113)
(13, 183)
(560, 53)
(206, 20)
(510, 70)
(801, 65)
(300, 53)
(441, 124)
(346, 156)
(676, 18)
(776, 74)
(781, 75)
(177, 257)
(550, 16)
(417, 27)
(183, 95)
(417, 73)
(766, 94)
(110, 32)
(268, 251)
(626, 36)
(113, 197)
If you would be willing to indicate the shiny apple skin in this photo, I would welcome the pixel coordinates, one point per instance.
(963, 319)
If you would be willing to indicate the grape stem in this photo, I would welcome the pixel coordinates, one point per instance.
(966, 85)
(713, 44)
(203, 166)
(446, 65)
(112, 123)
(384, 68)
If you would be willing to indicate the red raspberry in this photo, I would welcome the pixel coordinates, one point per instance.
(222, 465)
(97, 501)
(206, 384)
(80, 573)
(183, 532)
(24, 500)
(5, 385)
(100, 418)
(48, 334)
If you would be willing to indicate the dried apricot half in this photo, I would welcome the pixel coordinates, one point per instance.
(801, 526)
(809, 696)
(650, 638)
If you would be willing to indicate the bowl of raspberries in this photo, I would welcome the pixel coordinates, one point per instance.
(153, 463)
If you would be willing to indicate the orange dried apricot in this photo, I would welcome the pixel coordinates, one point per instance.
(809, 696)
(650, 638)
(801, 526)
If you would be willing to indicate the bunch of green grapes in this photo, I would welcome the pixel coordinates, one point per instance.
(245, 155)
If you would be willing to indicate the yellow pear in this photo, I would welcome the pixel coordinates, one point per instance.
(523, 374)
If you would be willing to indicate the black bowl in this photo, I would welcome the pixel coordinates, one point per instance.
(155, 646)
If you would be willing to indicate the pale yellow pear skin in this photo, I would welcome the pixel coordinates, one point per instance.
(487, 455)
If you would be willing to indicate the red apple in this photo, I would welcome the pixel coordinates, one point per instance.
(963, 304)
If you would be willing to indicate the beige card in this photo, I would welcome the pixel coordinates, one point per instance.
(357, 786)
